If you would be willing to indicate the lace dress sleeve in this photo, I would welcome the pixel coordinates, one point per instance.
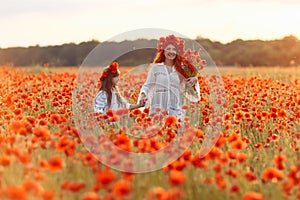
(101, 105)
(148, 86)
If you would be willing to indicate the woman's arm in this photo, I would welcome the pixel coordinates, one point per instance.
(148, 85)
(138, 105)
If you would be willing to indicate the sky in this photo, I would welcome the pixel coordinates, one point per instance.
(54, 22)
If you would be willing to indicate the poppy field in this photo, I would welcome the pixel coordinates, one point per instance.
(255, 157)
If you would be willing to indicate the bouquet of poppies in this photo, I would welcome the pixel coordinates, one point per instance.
(191, 65)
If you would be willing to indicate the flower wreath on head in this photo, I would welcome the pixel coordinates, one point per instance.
(171, 39)
(113, 69)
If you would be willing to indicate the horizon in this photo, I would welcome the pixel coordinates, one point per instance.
(43, 22)
(93, 39)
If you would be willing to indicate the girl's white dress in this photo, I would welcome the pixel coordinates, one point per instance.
(165, 91)
(101, 104)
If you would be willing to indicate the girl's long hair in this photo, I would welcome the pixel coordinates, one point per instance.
(160, 57)
(107, 86)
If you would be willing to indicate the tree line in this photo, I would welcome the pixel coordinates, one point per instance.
(280, 52)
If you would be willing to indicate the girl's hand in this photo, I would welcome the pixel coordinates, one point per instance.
(191, 81)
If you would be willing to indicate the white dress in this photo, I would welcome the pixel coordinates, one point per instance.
(164, 90)
(101, 104)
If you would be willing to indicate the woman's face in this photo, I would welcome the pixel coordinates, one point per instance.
(170, 52)
(115, 80)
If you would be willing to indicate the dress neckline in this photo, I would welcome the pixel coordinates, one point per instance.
(169, 69)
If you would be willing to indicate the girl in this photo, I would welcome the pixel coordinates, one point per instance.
(108, 96)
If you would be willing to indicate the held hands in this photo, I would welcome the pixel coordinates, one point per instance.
(141, 103)
(138, 105)
(190, 82)
(143, 100)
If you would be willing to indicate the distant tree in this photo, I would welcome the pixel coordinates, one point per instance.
(284, 52)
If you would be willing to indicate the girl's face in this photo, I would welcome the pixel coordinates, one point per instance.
(115, 80)
(170, 52)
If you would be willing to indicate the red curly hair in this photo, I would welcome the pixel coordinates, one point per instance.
(179, 45)
(160, 57)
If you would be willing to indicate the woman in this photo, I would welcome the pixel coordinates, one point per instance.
(165, 84)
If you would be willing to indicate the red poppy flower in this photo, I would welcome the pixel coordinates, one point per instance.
(191, 67)
(114, 67)
(272, 173)
(4, 160)
(250, 176)
(176, 177)
(75, 187)
(105, 177)
(122, 187)
(47, 194)
(56, 163)
(170, 121)
(15, 192)
(90, 196)
(253, 196)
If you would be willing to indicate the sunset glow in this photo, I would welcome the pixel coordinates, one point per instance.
(32, 22)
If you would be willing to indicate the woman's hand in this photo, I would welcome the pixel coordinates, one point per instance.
(191, 81)
(142, 102)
